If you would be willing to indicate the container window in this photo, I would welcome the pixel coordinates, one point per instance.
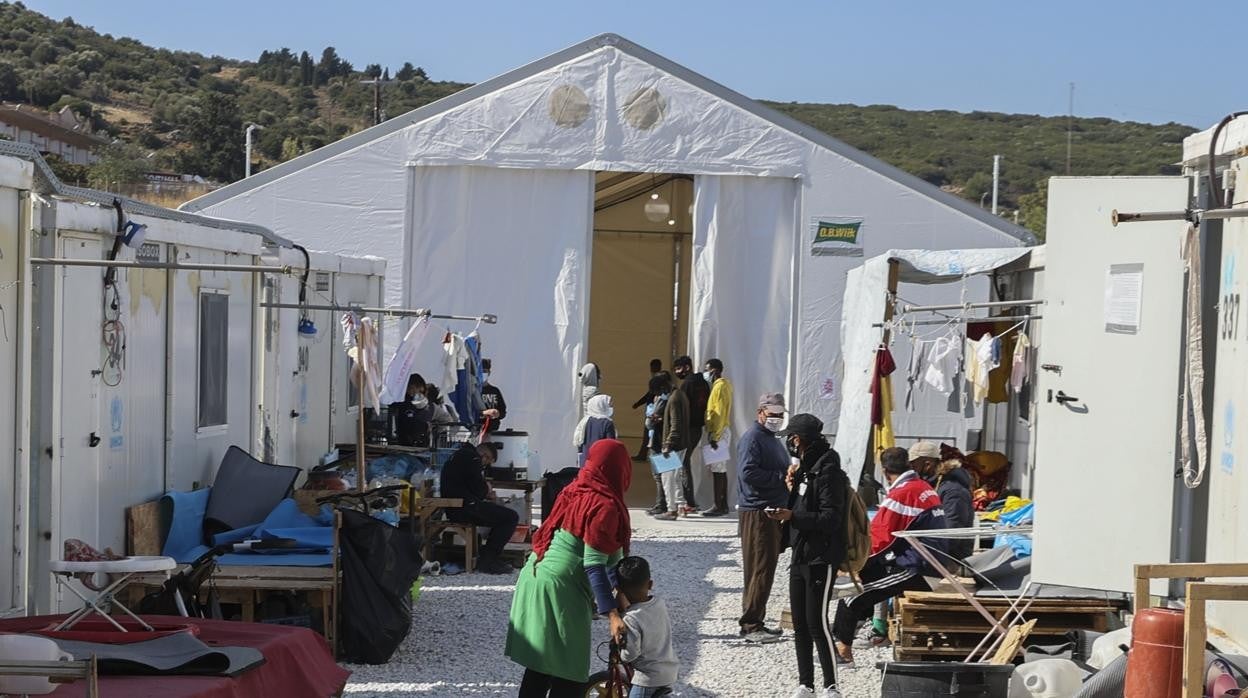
(214, 328)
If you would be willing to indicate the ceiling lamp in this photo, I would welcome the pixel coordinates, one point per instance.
(657, 210)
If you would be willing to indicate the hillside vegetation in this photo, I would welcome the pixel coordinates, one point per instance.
(183, 111)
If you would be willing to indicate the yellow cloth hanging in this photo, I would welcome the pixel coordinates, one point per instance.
(882, 434)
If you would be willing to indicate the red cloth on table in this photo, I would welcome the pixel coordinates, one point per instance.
(884, 366)
(297, 663)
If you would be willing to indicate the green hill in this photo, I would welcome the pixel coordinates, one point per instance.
(183, 111)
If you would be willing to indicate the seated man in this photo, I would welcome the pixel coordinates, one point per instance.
(463, 477)
(953, 484)
(894, 566)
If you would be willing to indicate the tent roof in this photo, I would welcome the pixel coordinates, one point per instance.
(719, 91)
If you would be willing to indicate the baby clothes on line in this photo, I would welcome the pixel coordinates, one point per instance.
(918, 365)
(942, 364)
(1018, 364)
(982, 356)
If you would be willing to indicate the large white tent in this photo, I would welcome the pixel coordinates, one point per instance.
(485, 202)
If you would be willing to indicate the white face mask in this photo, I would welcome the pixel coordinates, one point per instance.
(774, 424)
(708, 376)
(610, 412)
(485, 377)
(420, 402)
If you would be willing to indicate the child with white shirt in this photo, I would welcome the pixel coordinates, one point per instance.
(647, 642)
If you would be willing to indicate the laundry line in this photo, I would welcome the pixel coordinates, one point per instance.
(174, 266)
(958, 321)
(486, 318)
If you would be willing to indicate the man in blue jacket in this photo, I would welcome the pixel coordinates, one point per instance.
(763, 464)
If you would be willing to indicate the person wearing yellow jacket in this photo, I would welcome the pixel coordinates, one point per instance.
(718, 434)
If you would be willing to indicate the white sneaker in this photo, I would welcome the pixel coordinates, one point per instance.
(803, 692)
(829, 692)
(761, 637)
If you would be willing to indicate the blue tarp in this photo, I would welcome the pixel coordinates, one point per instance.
(185, 541)
(1020, 543)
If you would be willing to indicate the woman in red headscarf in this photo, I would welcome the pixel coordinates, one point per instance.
(571, 575)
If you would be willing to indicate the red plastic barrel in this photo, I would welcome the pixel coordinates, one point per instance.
(1155, 662)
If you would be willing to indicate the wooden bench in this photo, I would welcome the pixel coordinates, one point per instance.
(245, 585)
(432, 530)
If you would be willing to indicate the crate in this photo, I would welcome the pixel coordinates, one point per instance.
(943, 627)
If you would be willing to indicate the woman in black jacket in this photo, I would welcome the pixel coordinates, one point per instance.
(814, 527)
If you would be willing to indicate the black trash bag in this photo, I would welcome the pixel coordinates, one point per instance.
(380, 563)
(555, 482)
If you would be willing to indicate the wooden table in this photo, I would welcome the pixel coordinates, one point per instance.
(241, 584)
(528, 487)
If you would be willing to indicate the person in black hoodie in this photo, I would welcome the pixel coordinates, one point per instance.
(814, 527)
(953, 484)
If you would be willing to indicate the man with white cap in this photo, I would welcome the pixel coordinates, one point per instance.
(953, 484)
(763, 465)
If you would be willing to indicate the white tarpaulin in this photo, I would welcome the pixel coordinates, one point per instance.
(866, 292)
(742, 282)
(513, 243)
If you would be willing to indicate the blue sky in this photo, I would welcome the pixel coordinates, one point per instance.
(1129, 60)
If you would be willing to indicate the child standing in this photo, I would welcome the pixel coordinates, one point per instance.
(648, 631)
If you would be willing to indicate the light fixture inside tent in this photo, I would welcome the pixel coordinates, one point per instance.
(657, 210)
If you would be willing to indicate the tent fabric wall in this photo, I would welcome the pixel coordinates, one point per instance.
(514, 243)
(865, 300)
(742, 288)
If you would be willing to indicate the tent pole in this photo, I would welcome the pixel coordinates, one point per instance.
(894, 275)
(361, 477)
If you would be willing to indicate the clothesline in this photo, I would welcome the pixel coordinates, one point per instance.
(896, 323)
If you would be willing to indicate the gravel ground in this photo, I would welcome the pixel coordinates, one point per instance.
(460, 622)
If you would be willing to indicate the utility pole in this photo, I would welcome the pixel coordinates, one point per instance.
(377, 83)
(996, 181)
(247, 148)
(1070, 126)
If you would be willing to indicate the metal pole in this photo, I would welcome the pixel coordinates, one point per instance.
(984, 304)
(1070, 127)
(361, 477)
(1190, 215)
(398, 312)
(996, 181)
(247, 166)
(129, 264)
(964, 320)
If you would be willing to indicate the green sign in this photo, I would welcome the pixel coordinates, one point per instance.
(836, 236)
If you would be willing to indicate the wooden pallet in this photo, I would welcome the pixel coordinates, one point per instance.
(938, 626)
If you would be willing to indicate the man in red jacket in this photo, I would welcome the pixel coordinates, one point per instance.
(894, 566)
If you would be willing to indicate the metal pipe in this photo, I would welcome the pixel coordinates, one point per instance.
(996, 181)
(247, 148)
(984, 304)
(965, 320)
(1190, 215)
(128, 264)
(1117, 217)
(396, 312)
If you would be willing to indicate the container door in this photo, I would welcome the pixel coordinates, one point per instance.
(10, 225)
(1108, 383)
(76, 482)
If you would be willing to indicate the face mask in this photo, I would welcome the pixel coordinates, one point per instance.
(610, 412)
(774, 423)
(708, 376)
(420, 402)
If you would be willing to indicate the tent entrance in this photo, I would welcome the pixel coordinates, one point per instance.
(639, 293)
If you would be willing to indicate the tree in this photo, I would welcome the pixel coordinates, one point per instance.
(307, 70)
(979, 184)
(1033, 208)
(9, 82)
(119, 164)
(214, 129)
(385, 74)
(407, 72)
(373, 71)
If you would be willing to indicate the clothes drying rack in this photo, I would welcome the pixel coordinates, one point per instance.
(384, 311)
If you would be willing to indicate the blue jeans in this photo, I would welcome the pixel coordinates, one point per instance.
(649, 691)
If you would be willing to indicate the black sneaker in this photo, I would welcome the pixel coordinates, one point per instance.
(772, 631)
(656, 510)
(494, 567)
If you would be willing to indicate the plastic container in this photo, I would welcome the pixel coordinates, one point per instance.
(1155, 662)
(29, 648)
(944, 679)
(1046, 678)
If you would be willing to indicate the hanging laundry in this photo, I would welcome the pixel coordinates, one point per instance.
(942, 364)
(454, 358)
(476, 384)
(359, 338)
(394, 384)
(982, 356)
(882, 402)
(918, 364)
(1018, 362)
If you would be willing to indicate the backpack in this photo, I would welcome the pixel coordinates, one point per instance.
(857, 534)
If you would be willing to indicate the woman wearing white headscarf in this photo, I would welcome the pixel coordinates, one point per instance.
(590, 376)
(595, 425)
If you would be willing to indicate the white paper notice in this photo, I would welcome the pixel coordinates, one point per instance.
(1124, 290)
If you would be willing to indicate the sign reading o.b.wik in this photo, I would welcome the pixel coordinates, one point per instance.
(837, 236)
